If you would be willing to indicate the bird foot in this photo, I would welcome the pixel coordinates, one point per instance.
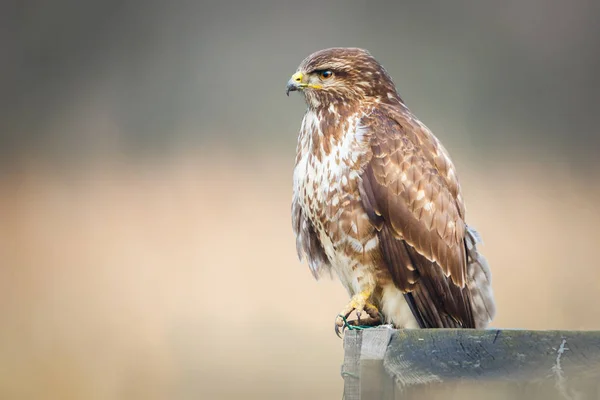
(358, 304)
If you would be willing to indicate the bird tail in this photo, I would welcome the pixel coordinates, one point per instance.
(479, 281)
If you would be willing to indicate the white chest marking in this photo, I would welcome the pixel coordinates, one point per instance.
(327, 170)
(320, 181)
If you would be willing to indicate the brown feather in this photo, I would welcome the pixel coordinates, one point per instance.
(425, 240)
(376, 199)
(307, 242)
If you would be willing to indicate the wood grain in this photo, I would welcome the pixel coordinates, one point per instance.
(463, 363)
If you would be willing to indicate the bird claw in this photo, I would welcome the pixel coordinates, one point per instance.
(373, 318)
(339, 329)
(341, 323)
(373, 312)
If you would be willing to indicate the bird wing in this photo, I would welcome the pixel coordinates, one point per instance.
(411, 194)
(307, 241)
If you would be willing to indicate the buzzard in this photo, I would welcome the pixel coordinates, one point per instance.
(377, 201)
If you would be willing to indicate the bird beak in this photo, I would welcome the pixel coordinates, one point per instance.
(295, 83)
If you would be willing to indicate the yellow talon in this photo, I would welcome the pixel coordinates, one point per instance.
(358, 303)
(359, 300)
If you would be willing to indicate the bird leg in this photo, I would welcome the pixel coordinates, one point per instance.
(359, 304)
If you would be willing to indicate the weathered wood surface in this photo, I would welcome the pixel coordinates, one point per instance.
(383, 363)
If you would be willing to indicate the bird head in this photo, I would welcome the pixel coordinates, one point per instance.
(341, 75)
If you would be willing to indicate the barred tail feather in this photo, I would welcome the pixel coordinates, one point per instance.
(479, 281)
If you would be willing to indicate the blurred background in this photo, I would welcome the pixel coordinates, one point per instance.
(146, 156)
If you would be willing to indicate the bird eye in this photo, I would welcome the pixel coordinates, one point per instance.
(326, 74)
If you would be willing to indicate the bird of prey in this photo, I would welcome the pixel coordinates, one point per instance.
(377, 201)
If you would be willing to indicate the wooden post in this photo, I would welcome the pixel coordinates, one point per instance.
(382, 363)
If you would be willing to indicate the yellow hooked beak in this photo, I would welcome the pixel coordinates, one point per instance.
(296, 82)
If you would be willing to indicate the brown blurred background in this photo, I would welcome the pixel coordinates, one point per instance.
(146, 153)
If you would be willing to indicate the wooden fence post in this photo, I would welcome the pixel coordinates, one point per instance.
(382, 363)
